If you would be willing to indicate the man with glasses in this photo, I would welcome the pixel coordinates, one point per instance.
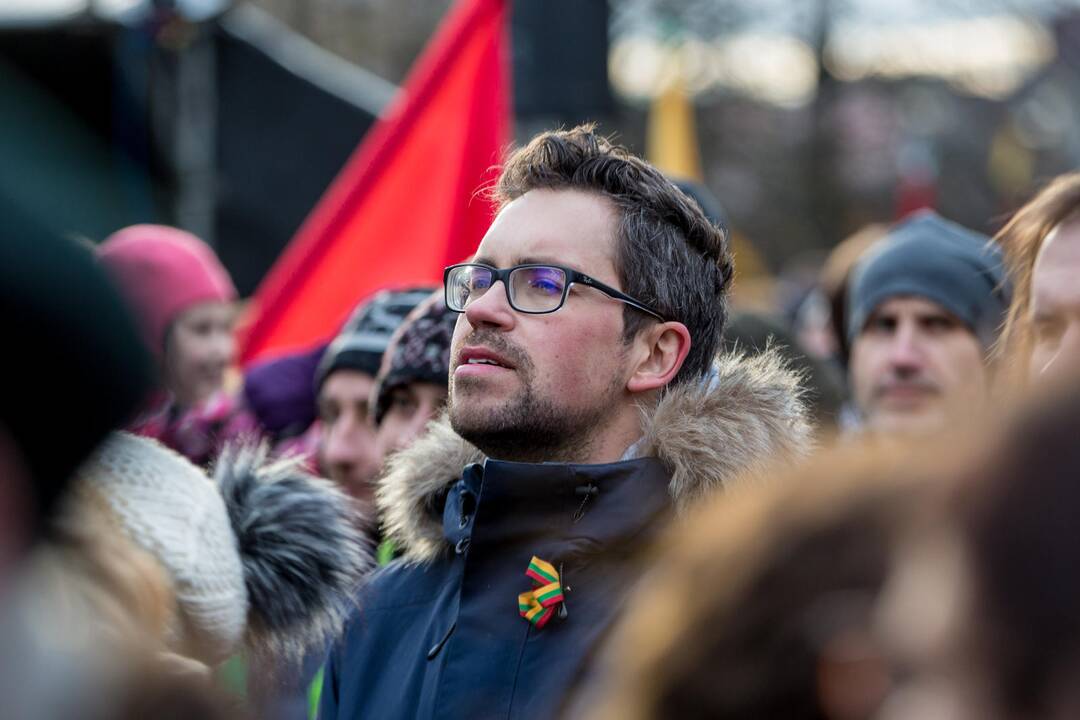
(586, 407)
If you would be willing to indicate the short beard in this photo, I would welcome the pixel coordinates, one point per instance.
(529, 428)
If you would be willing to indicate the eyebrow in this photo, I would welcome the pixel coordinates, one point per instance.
(541, 260)
(529, 260)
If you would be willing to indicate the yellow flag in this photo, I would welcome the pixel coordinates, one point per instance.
(671, 143)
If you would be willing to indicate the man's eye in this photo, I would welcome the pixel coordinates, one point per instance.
(544, 281)
(881, 324)
(548, 287)
(939, 324)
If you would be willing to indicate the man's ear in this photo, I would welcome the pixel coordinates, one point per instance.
(661, 350)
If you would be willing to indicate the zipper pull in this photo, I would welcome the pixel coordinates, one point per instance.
(565, 590)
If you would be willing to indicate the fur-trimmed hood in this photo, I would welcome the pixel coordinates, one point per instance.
(745, 416)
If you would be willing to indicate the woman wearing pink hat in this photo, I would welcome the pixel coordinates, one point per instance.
(184, 300)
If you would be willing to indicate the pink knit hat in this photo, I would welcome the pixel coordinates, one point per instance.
(163, 271)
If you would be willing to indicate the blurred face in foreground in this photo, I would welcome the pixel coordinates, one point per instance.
(347, 443)
(1055, 303)
(411, 407)
(922, 618)
(198, 350)
(549, 387)
(914, 366)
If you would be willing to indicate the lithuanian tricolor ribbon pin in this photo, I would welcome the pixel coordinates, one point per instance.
(539, 604)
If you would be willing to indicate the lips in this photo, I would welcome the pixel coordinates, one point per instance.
(475, 360)
(903, 393)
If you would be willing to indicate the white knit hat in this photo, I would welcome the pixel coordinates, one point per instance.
(171, 509)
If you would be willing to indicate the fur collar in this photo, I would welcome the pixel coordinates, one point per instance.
(748, 415)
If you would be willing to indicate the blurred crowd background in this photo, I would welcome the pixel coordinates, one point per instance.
(808, 120)
(190, 192)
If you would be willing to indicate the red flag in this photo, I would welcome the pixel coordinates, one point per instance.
(405, 204)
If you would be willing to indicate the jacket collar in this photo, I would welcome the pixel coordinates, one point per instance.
(746, 415)
(577, 509)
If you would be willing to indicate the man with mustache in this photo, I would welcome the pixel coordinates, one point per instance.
(587, 406)
(344, 379)
(925, 307)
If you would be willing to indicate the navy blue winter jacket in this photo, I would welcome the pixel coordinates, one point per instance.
(438, 634)
(445, 639)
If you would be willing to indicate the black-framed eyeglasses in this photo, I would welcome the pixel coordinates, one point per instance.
(531, 288)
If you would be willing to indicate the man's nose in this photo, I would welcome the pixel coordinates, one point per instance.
(340, 446)
(905, 350)
(491, 308)
(224, 345)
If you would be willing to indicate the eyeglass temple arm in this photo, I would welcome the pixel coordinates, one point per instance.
(617, 294)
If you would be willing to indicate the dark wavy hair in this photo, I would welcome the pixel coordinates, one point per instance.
(668, 254)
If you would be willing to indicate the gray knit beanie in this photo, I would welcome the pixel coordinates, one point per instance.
(930, 257)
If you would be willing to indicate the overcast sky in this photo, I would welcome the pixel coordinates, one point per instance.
(707, 18)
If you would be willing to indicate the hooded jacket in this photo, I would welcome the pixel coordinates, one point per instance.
(438, 633)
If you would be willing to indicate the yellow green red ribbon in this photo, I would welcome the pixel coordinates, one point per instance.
(538, 605)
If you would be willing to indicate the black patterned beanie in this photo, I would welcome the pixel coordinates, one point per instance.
(418, 352)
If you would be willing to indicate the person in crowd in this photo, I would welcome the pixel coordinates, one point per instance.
(980, 615)
(260, 553)
(184, 300)
(1042, 245)
(763, 606)
(924, 309)
(586, 405)
(411, 386)
(155, 563)
(59, 304)
(409, 390)
(344, 379)
(74, 370)
(344, 443)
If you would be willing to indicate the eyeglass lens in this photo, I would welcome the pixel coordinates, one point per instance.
(532, 289)
(537, 289)
(465, 284)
